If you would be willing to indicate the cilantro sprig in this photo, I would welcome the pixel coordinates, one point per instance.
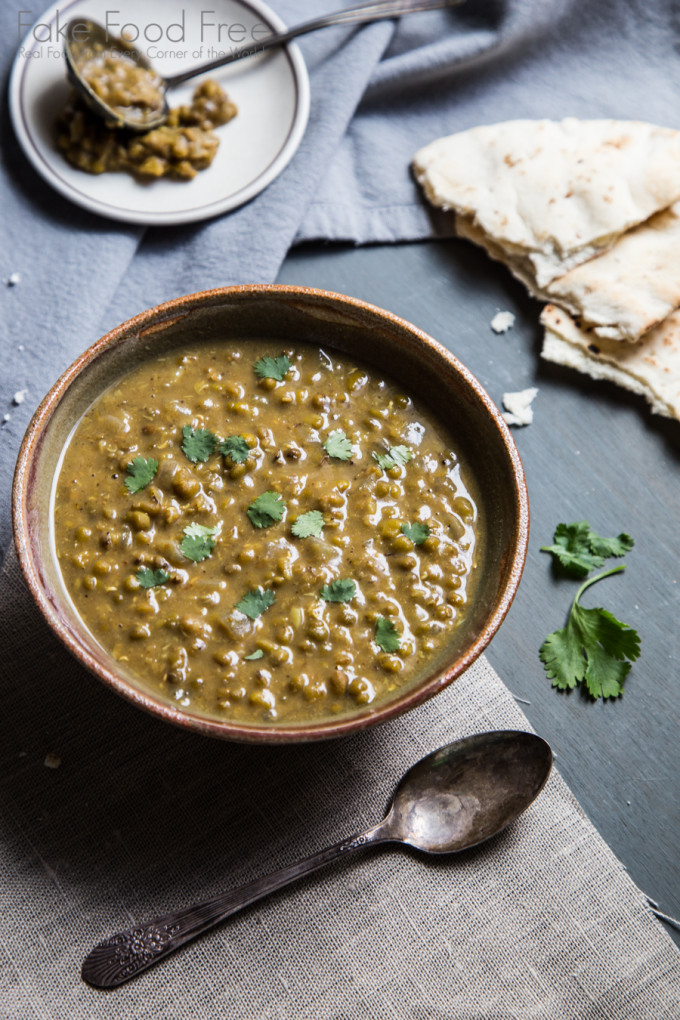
(272, 368)
(338, 446)
(198, 444)
(140, 471)
(309, 525)
(235, 448)
(254, 603)
(417, 532)
(594, 649)
(341, 590)
(578, 549)
(198, 542)
(397, 457)
(266, 510)
(149, 578)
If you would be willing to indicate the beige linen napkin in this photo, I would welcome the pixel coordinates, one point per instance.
(140, 818)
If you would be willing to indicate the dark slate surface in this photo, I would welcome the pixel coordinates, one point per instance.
(593, 452)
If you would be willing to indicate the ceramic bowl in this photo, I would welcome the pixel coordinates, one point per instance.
(418, 362)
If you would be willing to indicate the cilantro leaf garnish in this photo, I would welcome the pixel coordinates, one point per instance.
(257, 654)
(594, 649)
(149, 578)
(417, 532)
(272, 368)
(342, 590)
(198, 444)
(254, 603)
(309, 524)
(338, 445)
(401, 454)
(579, 550)
(267, 509)
(384, 461)
(398, 456)
(236, 448)
(198, 541)
(386, 635)
(140, 472)
(617, 546)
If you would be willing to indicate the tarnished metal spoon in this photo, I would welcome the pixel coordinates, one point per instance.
(451, 800)
(84, 38)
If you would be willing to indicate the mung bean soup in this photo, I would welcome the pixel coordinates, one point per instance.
(266, 535)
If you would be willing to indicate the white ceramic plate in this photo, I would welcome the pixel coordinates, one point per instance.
(270, 89)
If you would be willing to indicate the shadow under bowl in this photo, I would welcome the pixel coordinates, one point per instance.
(420, 364)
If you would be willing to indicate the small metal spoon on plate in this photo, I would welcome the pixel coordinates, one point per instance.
(451, 800)
(83, 36)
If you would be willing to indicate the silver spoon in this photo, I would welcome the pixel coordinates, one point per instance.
(85, 38)
(451, 800)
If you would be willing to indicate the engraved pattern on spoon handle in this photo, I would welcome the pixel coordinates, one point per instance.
(121, 957)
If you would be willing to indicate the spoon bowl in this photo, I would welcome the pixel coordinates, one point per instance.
(449, 801)
(468, 791)
(85, 40)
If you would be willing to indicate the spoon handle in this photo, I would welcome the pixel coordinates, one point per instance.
(373, 10)
(121, 957)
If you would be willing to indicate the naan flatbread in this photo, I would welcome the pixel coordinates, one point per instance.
(618, 295)
(553, 193)
(650, 367)
(623, 293)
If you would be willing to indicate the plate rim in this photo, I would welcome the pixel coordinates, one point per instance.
(197, 213)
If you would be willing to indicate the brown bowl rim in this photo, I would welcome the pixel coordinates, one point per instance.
(228, 730)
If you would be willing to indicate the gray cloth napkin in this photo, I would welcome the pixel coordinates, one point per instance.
(543, 923)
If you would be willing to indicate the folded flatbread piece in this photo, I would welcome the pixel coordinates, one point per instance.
(623, 293)
(650, 367)
(549, 195)
(620, 294)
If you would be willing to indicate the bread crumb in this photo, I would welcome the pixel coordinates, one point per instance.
(19, 397)
(6, 418)
(502, 322)
(518, 410)
(52, 761)
(13, 279)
